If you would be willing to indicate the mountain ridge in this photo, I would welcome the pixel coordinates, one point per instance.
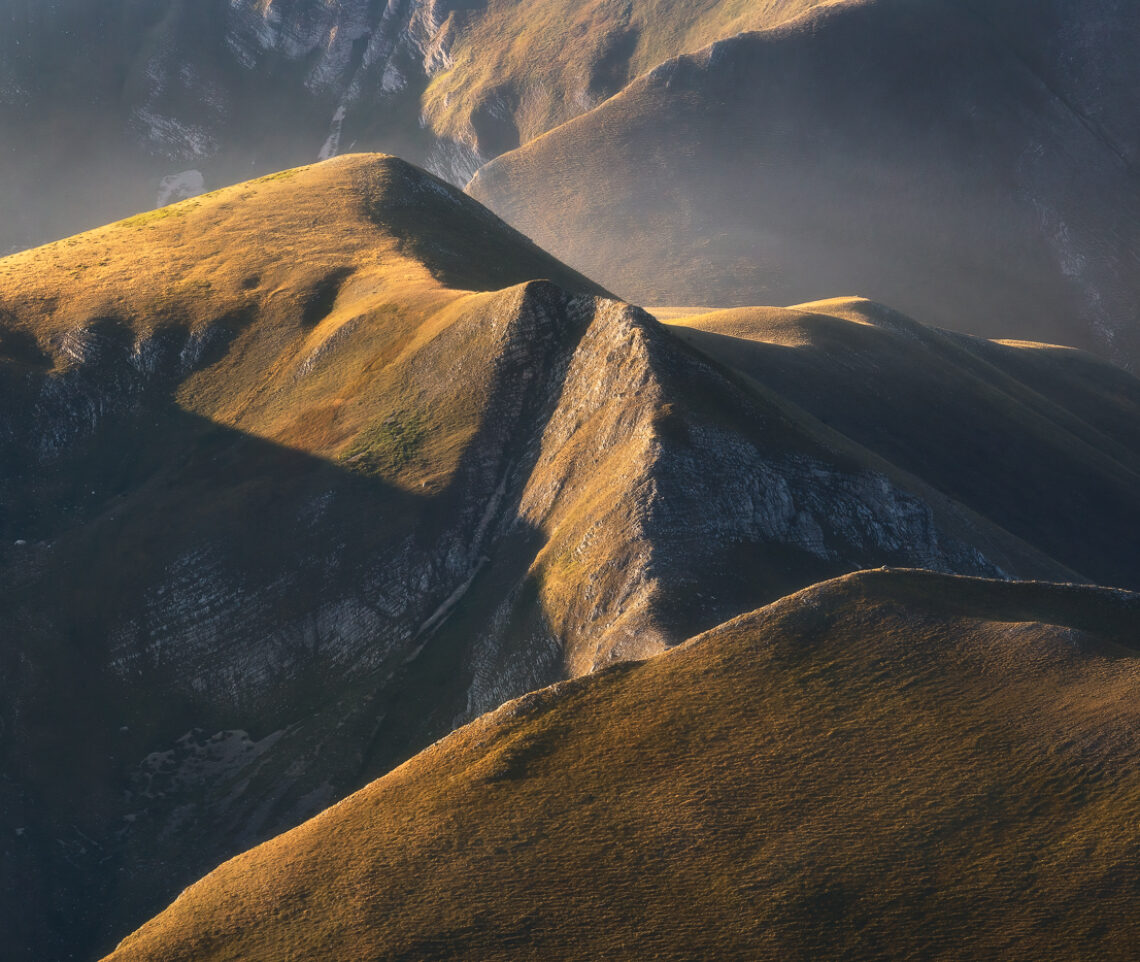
(875, 159)
(460, 491)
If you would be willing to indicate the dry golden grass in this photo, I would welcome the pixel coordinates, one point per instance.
(328, 382)
(891, 765)
(326, 282)
(549, 60)
(356, 317)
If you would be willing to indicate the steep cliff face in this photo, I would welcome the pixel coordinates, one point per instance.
(345, 46)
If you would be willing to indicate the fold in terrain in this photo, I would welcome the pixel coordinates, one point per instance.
(894, 764)
(299, 476)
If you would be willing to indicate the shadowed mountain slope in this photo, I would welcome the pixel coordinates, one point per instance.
(912, 152)
(300, 475)
(891, 765)
(1043, 440)
(519, 68)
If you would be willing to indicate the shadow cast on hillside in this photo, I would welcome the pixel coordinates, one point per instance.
(1043, 460)
(175, 576)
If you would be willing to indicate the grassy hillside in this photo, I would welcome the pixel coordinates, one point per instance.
(252, 444)
(1042, 440)
(519, 68)
(906, 152)
(892, 765)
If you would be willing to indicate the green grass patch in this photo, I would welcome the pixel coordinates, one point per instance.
(280, 175)
(389, 445)
(160, 214)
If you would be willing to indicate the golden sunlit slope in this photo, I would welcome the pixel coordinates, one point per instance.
(1042, 440)
(891, 765)
(519, 68)
(282, 271)
(289, 489)
(253, 450)
(904, 151)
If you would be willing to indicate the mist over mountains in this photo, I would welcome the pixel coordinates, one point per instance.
(103, 102)
(905, 151)
(498, 478)
(840, 147)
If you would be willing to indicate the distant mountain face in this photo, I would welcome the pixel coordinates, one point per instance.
(299, 475)
(1080, 52)
(974, 165)
(109, 108)
(891, 765)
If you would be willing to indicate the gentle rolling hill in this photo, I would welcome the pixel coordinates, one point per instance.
(972, 165)
(1043, 440)
(891, 765)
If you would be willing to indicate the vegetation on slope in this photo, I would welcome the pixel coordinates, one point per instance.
(892, 765)
(248, 443)
(290, 490)
(519, 68)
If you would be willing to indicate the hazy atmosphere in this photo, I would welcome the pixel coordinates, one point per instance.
(569, 479)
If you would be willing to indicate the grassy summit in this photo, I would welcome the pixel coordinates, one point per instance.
(361, 253)
(251, 446)
(891, 765)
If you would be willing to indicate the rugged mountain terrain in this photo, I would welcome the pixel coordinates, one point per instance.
(891, 765)
(108, 108)
(974, 164)
(971, 164)
(297, 476)
(519, 68)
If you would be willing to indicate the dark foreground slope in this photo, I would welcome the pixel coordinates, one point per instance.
(298, 476)
(972, 167)
(891, 765)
